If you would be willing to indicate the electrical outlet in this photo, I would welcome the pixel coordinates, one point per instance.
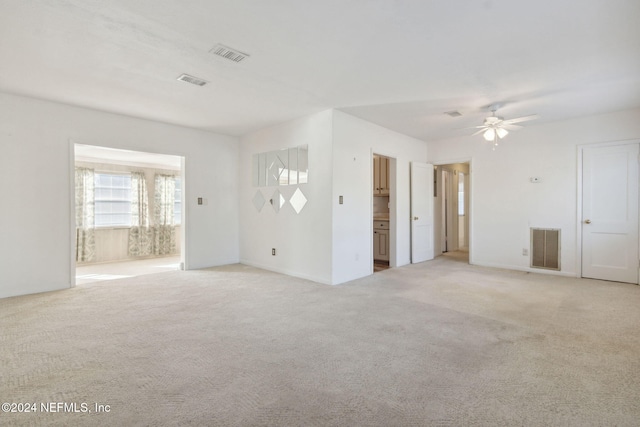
(273, 251)
(525, 252)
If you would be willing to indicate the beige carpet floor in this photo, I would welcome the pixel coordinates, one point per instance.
(440, 343)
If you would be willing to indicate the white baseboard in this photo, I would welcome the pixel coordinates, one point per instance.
(286, 271)
(527, 269)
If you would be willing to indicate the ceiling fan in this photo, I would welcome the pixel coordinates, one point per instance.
(495, 127)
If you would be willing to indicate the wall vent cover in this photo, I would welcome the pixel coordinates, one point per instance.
(228, 53)
(193, 80)
(545, 248)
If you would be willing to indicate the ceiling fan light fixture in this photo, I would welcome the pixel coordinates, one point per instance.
(495, 128)
(489, 134)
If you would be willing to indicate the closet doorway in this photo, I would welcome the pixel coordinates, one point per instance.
(452, 184)
(128, 212)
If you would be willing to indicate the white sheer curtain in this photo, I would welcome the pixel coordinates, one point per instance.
(85, 214)
(164, 227)
(140, 241)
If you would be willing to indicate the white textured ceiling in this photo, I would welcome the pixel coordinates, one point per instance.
(398, 63)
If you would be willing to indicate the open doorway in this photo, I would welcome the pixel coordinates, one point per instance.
(128, 213)
(383, 217)
(452, 213)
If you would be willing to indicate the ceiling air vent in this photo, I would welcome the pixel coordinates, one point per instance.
(193, 80)
(228, 53)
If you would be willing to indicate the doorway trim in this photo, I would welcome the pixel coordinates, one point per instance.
(469, 198)
(72, 213)
(579, 171)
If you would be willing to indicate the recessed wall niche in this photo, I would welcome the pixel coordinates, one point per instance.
(289, 166)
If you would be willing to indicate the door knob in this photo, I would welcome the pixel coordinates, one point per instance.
(587, 221)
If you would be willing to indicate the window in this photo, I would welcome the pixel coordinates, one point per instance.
(177, 204)
(113, 200)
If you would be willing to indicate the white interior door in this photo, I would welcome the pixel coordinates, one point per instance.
(421, 212)
(610, 213)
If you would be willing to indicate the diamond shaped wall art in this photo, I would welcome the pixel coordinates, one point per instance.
(298, 200)
(258, 200)
(277, 201)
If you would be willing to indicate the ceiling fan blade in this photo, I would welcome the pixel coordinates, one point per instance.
(471, 127)
(510, 127)
(520, 119)
(479, 132)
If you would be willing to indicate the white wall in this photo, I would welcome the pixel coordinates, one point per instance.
(36, 164)
(354, 141)
(504, 204)
(327, 242)
(302, 241)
